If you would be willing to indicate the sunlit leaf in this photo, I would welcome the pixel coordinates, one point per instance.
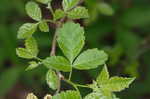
(58, 63)
(67, 95)
(43, 26)
(26, 30)
(33, 10)
(71, 39)
(90, 59)
(77, 13)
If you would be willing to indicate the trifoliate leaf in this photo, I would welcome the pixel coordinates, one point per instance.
(67, 95)
(31, 96)
(105, 9)
(52, 79)
(26, 30)
(58, 63)
(44, 1)
(71, 39)
(59, 14)
(90, 59)
(116, 84)
(31, 46)
(23, 53)
(103, 77)
(43, 26)
(32, 65)
(78, 13)
(33, 10)
(69, 4)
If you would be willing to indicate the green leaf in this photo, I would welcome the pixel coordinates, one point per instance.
(23, 53)
(52, 79)
(78, 13)
(71, 39)
(43, 26)
(44, 1)
(26, 30)
(31, 96)
(67, 95)
(116, 84)
(58, 63)
(33, 10)
(103, 77)
(69, 4)
(32, 65)
(95, 95)
(59, 14)
(105, 9)
(90, 59)
(31, 46)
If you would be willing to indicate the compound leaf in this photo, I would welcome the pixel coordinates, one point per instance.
(90, 59)
(71, 39)
(33, 10)
(58, 63)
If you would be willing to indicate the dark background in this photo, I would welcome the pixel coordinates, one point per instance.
(123, 35)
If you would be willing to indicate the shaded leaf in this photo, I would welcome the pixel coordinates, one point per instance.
(52, 79)
(105, 9)
(58, 63)
(71, 39)
(33, 10)
(90, 59)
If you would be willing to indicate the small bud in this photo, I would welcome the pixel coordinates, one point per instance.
(31, 96)
(48, 96)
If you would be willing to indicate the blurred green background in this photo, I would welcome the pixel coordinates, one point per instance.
(120, 27)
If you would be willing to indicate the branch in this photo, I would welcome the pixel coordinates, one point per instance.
(53, 52)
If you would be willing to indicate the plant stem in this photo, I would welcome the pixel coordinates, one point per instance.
(70, 74)
(71, 83)
(85, 86)
(53, 51)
